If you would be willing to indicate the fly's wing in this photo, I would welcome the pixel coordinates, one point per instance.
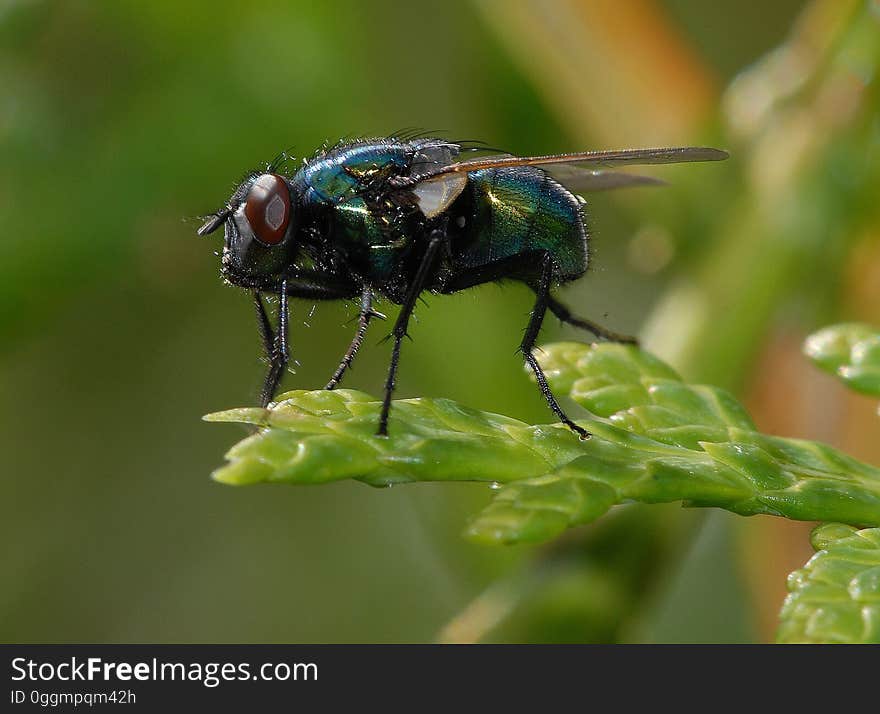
(614, 157)
(579, 178)
(437, 188)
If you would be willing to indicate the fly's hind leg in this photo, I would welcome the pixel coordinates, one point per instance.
(542, 302)
(564, 314)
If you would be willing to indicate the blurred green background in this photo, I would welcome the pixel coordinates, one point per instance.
(121, 123)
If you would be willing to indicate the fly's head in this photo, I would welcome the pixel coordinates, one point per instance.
(259, 222)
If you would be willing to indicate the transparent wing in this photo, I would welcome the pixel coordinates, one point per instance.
(579, 178)
(616, 157)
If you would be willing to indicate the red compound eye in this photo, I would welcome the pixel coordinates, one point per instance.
(268, 209)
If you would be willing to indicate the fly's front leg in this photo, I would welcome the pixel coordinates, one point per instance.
(399, 332)
(274, 343)
(310, 287)
(267, 334)
(542, 300)
(367, 313)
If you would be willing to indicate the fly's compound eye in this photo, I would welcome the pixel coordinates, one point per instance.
(267, 209)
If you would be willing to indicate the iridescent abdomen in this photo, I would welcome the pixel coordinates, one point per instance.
(520, 210)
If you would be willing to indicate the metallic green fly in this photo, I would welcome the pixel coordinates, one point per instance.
(395, 217)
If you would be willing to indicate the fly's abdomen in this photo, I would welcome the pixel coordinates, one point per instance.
(521, 210)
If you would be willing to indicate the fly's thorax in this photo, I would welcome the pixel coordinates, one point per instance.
(374, 236)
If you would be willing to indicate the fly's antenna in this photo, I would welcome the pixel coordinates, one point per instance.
(213, 222)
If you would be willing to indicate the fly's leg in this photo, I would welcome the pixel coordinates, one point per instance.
(542, 302)
(367, 313)
(274, 343)
(564, 314)
(267, 334)
(399, 332)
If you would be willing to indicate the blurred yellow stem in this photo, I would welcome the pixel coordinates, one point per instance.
(616, 72)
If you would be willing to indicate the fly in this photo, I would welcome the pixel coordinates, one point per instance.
(397, 217)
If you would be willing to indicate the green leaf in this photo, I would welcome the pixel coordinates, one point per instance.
(835, 597)
(655, 439)
(851, 352)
